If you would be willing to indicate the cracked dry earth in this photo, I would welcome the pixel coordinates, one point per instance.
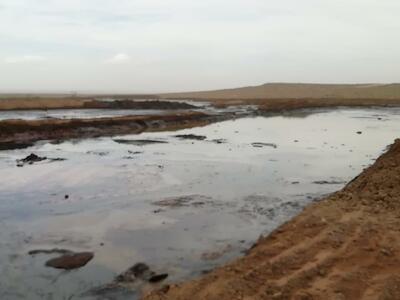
(346, 246)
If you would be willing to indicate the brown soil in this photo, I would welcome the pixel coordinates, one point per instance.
(344, 247)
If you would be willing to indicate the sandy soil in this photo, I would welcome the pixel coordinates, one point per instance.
(298, 91)
(344, 247)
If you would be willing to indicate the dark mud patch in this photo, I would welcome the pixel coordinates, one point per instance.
(329, 182)
(191, 137)
(33, 158)
(269, 207)
(219, 141)
(184, 201)
(135, 152)
(139, 142)
(131, 279)
(14, 145)
(50, 251)
(98, 153)
(140, 271)
(131, 104)
(56, 159)
(262, 145)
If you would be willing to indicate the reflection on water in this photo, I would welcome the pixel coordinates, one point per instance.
(217, 195)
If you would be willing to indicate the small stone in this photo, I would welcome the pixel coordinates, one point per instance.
(70, 261)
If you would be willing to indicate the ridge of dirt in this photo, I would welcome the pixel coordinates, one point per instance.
(19, 133)
(346, 246)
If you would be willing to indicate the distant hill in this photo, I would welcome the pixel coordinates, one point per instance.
(297, 91)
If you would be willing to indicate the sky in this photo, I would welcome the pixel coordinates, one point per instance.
(148, 46)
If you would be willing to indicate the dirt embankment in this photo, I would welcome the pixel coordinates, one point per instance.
(130, 104)
(20, 133)
(344, 247)
(28, 103)
(40, 103)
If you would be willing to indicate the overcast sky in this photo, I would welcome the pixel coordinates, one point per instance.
(174, 45)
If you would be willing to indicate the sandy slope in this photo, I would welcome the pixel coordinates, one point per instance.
(298, 91)
(344, 247)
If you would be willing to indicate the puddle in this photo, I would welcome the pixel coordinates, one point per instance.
(182, 207)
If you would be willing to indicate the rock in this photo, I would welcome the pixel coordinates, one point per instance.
(33, 158)
(30, 159)
(158, 278)
(359, 132)
(191, 137)
(66, 196)
(70, 261)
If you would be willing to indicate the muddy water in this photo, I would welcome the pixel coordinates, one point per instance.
(182, 206)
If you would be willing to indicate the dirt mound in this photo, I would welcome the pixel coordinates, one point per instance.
(131, 104)
(17, 133)
(344, 247)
